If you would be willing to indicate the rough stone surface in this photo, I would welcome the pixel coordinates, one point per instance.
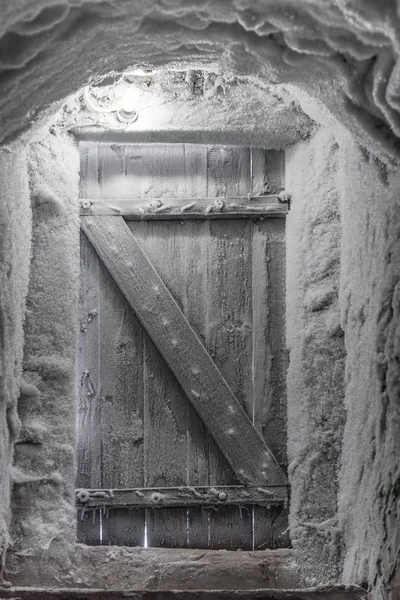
(123, 568)
(317, 353)
(175, 107)
(332, 593)
(44, 511)
(369, 507)
(15, 233)
(346, 54)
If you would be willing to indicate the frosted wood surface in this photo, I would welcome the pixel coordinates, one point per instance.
(231, 528)
(166, 403)
(177, 170)
(123, 527)
(228, 171)
(89, 172)
(275, 171)
(230, 427)
(191, 257)
(229, 343)
(88, 527)
(89, 455)
(270, 364)
(271, 527)
(121, 379)
(270, 406)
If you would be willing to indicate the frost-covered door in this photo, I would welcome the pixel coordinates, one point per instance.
(149, 471)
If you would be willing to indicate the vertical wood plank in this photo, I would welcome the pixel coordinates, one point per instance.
(89, 175)
(88, 529)
(229, 341)
(166, 527)
(270, 364)
(133, 170)
(195, 170)
(162, 172)
(271, 528)
(89, 455)
(228, 171)
(166, 405)
(111, 164)
(121, 372)
(261, 351)
(196, 235)
(259, 179)
(123, 527)
(275, 170)
(231, 528)
(270, 407)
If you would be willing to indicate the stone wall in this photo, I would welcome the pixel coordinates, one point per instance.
(15, 235)
(43, 508)
(317, 355)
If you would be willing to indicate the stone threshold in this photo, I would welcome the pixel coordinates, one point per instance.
(316, 593)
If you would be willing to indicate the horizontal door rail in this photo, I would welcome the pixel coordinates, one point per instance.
(181, 496)
(186, 208)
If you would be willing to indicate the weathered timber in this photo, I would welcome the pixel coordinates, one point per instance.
(186, 208)
(229, 337)
(231, 428)
(89, 452)
(185, 496)
(269, 364)
(178, 170)
(338, 592)
(166, 404)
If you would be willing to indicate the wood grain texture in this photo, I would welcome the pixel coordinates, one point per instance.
(239, 262)
(230, 427)
(123, 527)
(333, 592)
(271, 527)
(188, 496)
(121, 378)
(235, 207)
(166, 403)
(89, 174)
(275, 171)
(88, 527)
(229, 344)
(118, 171)
(89, 453)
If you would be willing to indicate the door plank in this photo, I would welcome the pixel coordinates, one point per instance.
(89, 452)
(271, 527)
(195, 171)
(121, 374)
(229, 425)
(88, 529)
(123, 527)
(270, 354)
(270, 364)
(275, 170)
(162, 172)
(196, 235)
(165, 401)
(228, 171)
(229, 342)
(231, 528)
(111, 166)
(89, 174)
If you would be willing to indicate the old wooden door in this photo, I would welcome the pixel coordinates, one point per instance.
(181, 411)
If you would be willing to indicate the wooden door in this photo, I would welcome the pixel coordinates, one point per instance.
(181, 411)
